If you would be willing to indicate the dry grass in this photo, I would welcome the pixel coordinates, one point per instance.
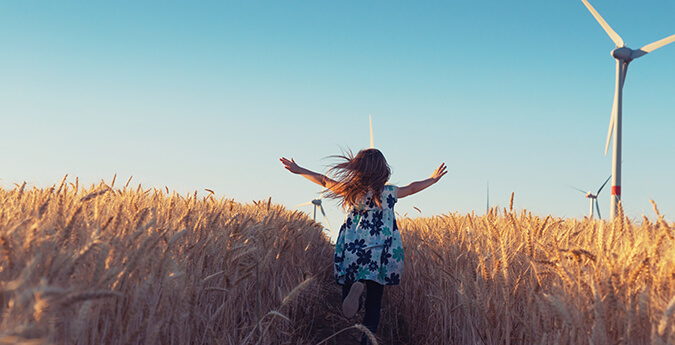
(132, 266)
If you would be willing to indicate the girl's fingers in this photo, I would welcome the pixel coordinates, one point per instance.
(287, 162)
(440, 171)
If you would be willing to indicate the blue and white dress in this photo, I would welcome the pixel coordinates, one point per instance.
(369, 245)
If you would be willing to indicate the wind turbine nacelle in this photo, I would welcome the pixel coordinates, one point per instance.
(622, 53)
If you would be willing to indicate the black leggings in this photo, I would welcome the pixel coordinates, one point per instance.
(373, 305)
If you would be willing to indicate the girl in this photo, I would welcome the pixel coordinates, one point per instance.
(368, 250)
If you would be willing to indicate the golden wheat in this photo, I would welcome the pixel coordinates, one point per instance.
(137, 266)
(603, 281)
(145, 266)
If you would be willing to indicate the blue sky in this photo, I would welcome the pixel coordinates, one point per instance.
(210, 95)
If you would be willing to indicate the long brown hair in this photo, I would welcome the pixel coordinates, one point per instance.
(368, 171)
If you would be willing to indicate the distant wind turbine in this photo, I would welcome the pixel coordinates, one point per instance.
(487, 209)
(370, 119)
(594, 198)
(317, 203)
(623, 56)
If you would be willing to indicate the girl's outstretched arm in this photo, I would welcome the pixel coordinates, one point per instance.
(423, 184)
(317, 178)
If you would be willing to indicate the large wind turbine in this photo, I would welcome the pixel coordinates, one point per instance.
(623, 56)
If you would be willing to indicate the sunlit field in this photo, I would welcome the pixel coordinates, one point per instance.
(109, 264)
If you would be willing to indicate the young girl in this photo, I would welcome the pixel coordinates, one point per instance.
(368, 250)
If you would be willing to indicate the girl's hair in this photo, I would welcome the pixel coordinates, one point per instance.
(368, 171)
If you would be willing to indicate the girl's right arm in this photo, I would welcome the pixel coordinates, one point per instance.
(317, 178)
(418, 186)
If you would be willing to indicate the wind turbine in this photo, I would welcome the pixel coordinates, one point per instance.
(370, 119)
(623, 56)
(487, 208)
(317, 203)
(594, 198)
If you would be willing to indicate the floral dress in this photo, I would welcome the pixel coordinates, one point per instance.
(369, 245)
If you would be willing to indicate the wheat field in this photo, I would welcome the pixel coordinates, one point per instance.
(119, 265)
(513, 278)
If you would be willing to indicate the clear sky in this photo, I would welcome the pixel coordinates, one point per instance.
(195, 95)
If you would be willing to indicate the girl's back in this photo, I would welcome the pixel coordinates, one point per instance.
(369, 245)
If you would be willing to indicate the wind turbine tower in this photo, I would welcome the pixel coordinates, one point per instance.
(487, 207)
(370, 120)
(623, 56)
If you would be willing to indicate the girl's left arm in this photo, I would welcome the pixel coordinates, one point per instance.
(317, 178)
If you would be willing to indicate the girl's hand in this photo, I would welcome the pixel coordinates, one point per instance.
(439, 172)
(291, 166)
(418, 186)
(317, 178)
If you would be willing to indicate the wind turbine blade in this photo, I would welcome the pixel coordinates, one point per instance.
(326, 218)
(615, 106)
(610, 131)
(608, 29)
(603, 185)
(370, 119)
(305, 204)
(653, 46)
(597, 208)
(578, 189)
